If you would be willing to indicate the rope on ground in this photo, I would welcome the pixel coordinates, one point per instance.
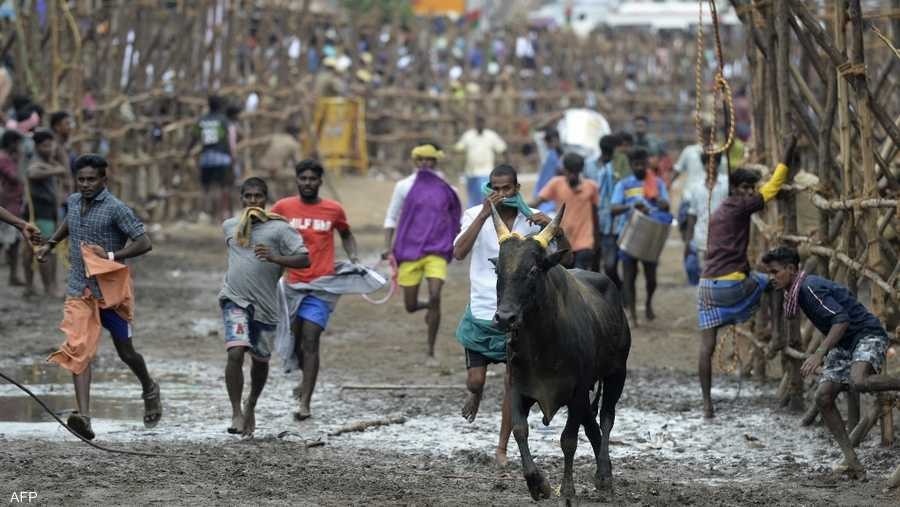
(70, 430)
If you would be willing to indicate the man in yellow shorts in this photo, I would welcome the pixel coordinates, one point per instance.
(425, 214)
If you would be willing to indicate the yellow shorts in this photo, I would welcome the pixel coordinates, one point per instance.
(410, 273)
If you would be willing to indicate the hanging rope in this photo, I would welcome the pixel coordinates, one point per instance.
(721, 88)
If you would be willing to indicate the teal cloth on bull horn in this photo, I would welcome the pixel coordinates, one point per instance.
(515, 201)
(479, 335)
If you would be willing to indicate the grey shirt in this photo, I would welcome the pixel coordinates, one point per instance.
(250, 281)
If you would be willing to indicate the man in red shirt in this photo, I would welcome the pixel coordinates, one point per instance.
(315, 219)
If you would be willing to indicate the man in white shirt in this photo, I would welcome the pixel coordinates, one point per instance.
(698, 211)
(691, 165)
(481, 145)
(483, 342)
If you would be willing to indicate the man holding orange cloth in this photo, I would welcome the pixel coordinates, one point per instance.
(99, 291)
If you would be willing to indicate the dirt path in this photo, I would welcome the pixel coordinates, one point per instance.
(663, 452)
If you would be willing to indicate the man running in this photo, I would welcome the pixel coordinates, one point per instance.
(260, 245)
(316, 219)
(729, 291)
(425, 211)
(485, 344)
(12, 190)
(215, 157)
(102, 232)
(854, 348)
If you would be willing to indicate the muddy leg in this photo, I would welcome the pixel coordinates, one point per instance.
(259, 373)
(612, 391)
(825, 397)
(234, 384)
(433, 317)
(82, 383)
(537, 484)
(629, 276)
(592, 430)
(650, 280)
(852, 410)
(505, 424)
(475, 384)
(310, 333)
(568, 441)
(135, 362)
(704, 366)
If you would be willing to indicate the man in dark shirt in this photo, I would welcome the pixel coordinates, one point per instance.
(215, 157)
(854, 348)
(729, 292)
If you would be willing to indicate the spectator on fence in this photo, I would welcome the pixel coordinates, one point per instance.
(43, 173)
(12, 191)
(854, 349)
(729, 290)
(215, 157)
(481, 146)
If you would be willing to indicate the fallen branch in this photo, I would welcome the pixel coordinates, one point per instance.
(364, 425)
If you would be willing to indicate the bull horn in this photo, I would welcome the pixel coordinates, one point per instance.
(545, 236)
(501, 228)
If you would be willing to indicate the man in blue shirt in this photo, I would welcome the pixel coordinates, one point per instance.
(854, 348)
(649, 197)
(601, 171)
(549, 168)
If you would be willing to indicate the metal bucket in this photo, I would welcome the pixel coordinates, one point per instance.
(643, 238)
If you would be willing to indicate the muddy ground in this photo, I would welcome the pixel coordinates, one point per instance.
(663, 452)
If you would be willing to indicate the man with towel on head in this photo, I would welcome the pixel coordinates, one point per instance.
(425, 213)
(260, 245)
(102, 232)
(483, 342)
(729, 291)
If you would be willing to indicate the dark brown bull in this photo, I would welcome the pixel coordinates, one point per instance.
(566, 333)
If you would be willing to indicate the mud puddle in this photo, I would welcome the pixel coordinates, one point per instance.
(657, 419)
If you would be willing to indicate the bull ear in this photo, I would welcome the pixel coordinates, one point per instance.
(553, 259)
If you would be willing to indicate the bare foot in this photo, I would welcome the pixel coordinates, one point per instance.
(854, 471)
(237, 424)
(649, 312)
(249, 420)
(708, 412)
(470, 409)
(303, 412)
(501, 458)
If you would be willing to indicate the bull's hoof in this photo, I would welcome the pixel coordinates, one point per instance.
(567, 492)
(603, 482)
(538, 486)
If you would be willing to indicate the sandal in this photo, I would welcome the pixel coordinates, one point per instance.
(81, 424)
(152, 407)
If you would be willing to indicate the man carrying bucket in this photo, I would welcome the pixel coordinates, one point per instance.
(645, 192)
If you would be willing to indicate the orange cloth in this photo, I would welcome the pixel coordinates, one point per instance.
(651, 190)
(81, 315)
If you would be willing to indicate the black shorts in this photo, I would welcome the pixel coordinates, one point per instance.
(479, 360)
(214, 175)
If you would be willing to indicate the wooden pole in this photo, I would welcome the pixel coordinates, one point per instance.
(843, 98)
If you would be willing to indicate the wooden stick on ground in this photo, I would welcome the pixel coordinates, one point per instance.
(364, 425)
(399, 387)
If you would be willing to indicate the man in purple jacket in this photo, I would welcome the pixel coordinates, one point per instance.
(425, 214)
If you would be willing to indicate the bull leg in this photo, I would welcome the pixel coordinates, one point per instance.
(568, 441)
(537, 484)
(612, 390)
(592, 430)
